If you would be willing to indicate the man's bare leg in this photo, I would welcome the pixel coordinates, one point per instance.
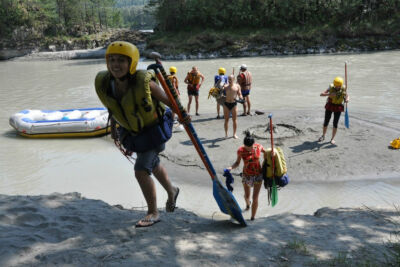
(226, 122)
(234, 121)
(189, 103)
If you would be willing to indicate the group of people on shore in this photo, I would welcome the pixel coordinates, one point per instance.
(137, 104)
(229, 91)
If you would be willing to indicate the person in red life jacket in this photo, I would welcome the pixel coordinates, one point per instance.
(244, 79)
(251, 153)
(194, 79)
(337, 94)
(137, 104)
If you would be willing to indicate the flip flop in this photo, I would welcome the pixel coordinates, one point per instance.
(170, 206)
(148, 222)
(321, 139)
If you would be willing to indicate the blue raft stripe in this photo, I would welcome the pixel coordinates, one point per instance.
(62, 120)
(81, 109)
(26, 111)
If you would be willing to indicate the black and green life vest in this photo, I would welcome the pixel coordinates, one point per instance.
(137, 109)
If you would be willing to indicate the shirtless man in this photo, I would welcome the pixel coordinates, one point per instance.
(232, 91)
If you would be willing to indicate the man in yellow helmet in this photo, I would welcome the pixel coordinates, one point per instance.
(336, 94)
(220, 80)
(174, 81)
(136, 103)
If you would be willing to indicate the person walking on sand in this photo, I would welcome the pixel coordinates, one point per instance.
(337, 94)
(174, 81)
(232, 91)
(123, 90)
(194, 79)
(244, 79)
(220, 80)
(250, 152)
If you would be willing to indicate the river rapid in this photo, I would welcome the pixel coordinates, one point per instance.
(31, 167)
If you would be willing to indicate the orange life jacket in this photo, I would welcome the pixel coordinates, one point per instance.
(193, 79)
(173, 80)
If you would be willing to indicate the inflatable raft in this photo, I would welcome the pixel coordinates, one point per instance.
(60, 123)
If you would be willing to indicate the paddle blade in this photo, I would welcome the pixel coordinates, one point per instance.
(274, 194)
(346, 119)
(227, 202)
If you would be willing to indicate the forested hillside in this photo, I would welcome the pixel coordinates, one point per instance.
(265, 27)
(204, 26)
(71, 17)
(272, 14)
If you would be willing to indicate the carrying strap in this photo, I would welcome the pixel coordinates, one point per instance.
(114, 132)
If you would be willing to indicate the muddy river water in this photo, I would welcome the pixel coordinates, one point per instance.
(31, 167)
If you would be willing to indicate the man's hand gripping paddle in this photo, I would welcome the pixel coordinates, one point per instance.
(346, 114)
(225, 200)
(274, 190)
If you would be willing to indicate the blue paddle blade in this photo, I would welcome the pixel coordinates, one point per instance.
(346, 119)
(227, 202)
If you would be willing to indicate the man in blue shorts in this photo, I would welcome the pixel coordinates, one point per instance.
(244, 79)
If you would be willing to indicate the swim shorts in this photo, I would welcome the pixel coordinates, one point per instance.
(229, 105)
(252, 179)
(245, 93)
(147, 161)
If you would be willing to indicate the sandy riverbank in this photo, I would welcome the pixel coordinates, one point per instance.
(68, 229)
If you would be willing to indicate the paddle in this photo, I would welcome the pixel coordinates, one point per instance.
(225, 200)
(346, 114)
(274, 191)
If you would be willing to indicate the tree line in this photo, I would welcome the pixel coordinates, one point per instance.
(175, 15)
(80, 17)
(72, 17)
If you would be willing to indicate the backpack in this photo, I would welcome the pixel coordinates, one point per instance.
(281, 176)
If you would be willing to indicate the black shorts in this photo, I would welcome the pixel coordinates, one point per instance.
(193, 92)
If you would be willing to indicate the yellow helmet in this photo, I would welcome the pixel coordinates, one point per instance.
(126, 49)
(172, 69)
(338, 82)
(221, 71)
(395, 143)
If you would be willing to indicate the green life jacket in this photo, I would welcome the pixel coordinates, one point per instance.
(137, 109)
(340, 94)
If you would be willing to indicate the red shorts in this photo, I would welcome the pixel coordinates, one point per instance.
(334, 107)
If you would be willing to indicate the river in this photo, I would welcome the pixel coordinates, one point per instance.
(31, 167)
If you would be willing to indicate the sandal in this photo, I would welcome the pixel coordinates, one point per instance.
(321, 138)
(147, 222)
(171, 205)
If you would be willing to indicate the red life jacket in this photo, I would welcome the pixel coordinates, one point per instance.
(245, 79)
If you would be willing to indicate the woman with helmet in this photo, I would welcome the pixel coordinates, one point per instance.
(336, 94)
(219, 82)
(136, 103)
